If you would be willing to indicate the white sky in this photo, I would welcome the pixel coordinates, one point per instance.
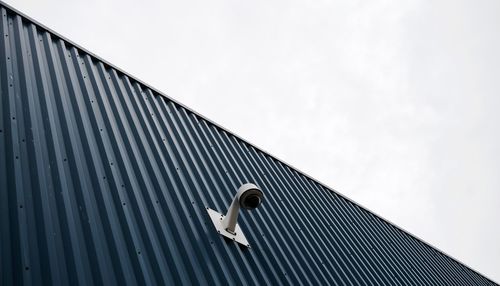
(395, 104)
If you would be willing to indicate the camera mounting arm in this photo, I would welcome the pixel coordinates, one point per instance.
(229, 222)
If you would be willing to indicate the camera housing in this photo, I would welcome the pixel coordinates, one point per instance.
(251, 196)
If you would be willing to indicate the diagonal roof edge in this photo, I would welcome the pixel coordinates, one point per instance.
(42, 26)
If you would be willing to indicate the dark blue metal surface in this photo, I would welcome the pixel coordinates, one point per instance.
(105, 181)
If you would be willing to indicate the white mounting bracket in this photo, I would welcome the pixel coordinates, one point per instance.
(237, 236)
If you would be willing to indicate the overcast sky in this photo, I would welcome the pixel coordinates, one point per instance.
(395, 104)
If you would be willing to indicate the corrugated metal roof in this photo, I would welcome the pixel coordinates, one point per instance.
(103, 180)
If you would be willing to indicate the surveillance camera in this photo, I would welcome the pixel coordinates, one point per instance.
(249, 197)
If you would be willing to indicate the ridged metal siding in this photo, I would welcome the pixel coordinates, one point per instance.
(105, 181)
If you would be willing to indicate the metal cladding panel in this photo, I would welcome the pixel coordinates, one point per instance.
(103, 180)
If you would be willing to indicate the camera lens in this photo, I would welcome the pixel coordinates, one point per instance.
(251, 201)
